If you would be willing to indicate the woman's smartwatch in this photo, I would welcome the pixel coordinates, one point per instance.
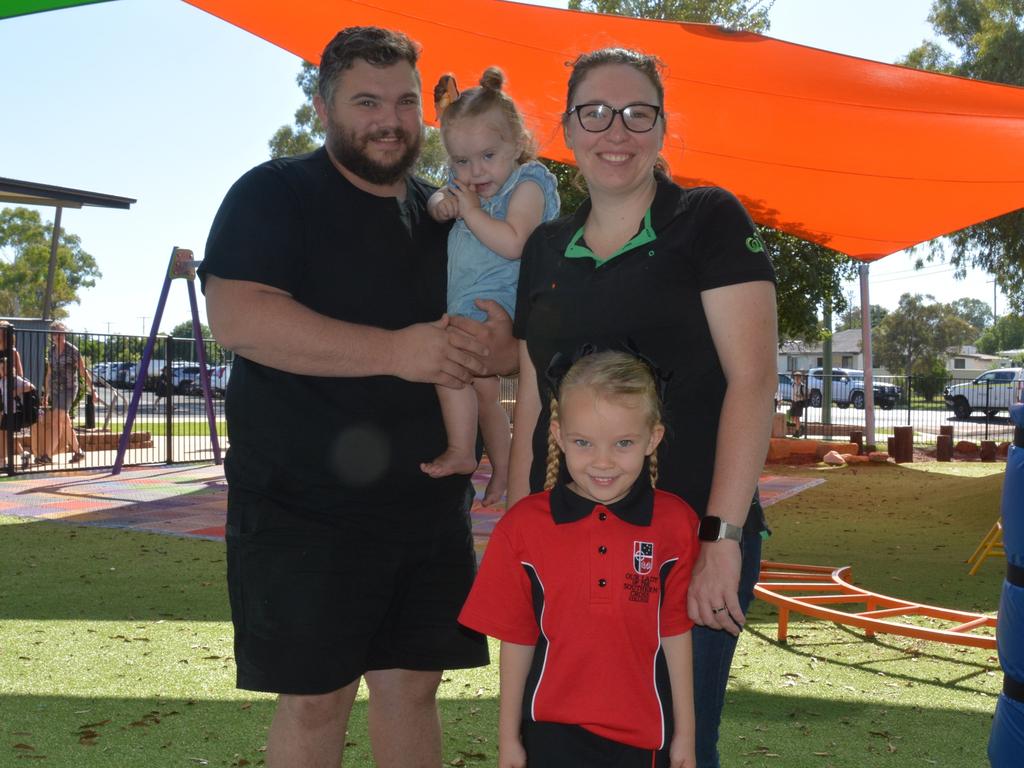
(715, 529)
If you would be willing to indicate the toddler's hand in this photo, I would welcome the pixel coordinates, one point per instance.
(447, 207)
(466, 195)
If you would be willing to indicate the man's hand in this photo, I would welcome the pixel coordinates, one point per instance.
(714, 587)
(500, 351)
(422, 353)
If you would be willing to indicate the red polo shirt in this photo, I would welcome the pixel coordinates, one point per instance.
(594, 588)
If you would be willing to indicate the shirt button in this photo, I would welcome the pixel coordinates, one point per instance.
(602, 515)
(601, 582)
(602, 549)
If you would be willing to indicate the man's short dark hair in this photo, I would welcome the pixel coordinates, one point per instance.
(376, 46)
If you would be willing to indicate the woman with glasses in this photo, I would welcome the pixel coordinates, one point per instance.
(681, 276)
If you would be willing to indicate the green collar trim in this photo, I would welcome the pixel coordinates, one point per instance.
(578, 249)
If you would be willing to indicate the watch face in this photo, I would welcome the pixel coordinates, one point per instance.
(709, 529)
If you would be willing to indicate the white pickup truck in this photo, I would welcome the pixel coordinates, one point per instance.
(993, 391)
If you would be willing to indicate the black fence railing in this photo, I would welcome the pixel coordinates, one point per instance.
(976, 407)
(70, 430)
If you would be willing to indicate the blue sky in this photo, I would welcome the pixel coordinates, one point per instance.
(159, 101)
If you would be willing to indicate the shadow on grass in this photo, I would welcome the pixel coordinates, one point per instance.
(61, 571)
(759, 729)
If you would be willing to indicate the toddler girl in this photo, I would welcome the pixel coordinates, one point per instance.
(498, 194)
(585, 586)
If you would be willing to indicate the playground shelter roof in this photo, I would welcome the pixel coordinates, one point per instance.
(866, 158)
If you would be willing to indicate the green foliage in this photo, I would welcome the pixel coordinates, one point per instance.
(851, 317)
(1007, 333)
(914, 338)
(25, 248)
(747, 15)
(810, 278)
(307, 134)
(975, 311)
(988, 38)
(930, 382)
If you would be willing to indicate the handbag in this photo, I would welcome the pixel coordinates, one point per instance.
(90, 412)
(26, 412)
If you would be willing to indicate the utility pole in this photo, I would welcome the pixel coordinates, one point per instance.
(143, 318)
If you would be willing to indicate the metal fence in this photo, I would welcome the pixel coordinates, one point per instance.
(170, 425)
(977, 408)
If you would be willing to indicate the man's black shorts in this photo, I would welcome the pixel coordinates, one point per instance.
(317, 603)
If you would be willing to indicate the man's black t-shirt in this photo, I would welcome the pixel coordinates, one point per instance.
(298, 225)
(647, 297)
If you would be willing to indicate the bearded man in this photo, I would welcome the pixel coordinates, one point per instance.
(326, 277)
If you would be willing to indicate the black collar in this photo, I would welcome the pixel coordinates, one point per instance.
(635, 508)
(670, 200)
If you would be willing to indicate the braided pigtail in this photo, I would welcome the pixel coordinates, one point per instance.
(554, 452)
(652, 466)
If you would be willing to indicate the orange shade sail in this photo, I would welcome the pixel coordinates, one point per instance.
(863, 157)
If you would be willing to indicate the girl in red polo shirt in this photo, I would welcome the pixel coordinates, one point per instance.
(585, 585)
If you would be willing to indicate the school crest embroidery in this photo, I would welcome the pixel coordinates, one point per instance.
(643, 557)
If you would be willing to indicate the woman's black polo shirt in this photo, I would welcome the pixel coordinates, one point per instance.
(297, 224)
(648, 295)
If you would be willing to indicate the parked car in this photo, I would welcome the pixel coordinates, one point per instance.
(784, 394)
(993, 391)
(117, 374)
(848, 389)
(220, 375)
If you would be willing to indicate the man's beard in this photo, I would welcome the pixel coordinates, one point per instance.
(350, 151)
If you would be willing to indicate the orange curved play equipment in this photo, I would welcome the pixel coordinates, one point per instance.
(811, 590)
(866, 158)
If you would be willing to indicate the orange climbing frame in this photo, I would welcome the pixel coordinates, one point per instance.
(811, 589)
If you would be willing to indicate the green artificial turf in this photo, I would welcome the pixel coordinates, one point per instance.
(115, 646)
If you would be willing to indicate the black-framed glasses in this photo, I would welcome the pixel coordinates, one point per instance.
(596, 116)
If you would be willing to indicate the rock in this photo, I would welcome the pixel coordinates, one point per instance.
(833, 458)
(966, 446)
(1002, 450)
(852, 458)
(880, 457)
(839, 448)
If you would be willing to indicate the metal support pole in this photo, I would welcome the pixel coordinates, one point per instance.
(204, 373)
(869, 376)
(52, 270)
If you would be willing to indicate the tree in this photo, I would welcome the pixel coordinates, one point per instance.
(1007, 333)
(748, 15)
(988, 41)
(915, 336)
(851, 317)
(974, 311)
(25, 249)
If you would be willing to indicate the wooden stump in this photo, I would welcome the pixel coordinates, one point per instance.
(857, 436)
(903, 445)
(988, 450)
(890, 443)
(946, 429)
(944, 447)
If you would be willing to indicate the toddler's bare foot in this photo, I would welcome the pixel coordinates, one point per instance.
(451, 462)
(495, 490)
